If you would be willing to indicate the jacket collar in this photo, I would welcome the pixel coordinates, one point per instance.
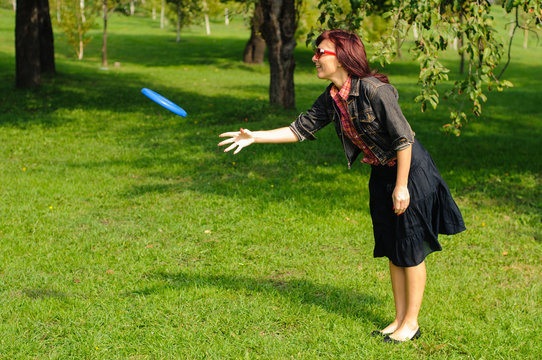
(354, 88)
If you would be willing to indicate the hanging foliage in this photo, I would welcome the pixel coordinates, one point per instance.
(437, 24)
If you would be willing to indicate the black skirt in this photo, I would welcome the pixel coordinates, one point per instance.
(408, 238)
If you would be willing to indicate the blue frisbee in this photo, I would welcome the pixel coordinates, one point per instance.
(159, 99)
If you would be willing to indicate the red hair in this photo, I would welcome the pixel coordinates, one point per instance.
(351, 53)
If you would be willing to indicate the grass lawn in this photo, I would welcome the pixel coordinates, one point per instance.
(126, 233)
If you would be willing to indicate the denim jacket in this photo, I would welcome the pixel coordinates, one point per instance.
(376, 115)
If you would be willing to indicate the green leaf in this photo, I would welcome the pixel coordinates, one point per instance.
(509, 5)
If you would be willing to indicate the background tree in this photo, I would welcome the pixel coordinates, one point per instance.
(132, 7)
(255, 48)
(47, 43)
(251, 10)
(107, 7)
(105, 10)
(437, 25)
(205, 9)
(162, 14)
(186, 11)
(34, 45)
(153, 5)
(77, 20)
(214, 9)
(280, 20)
(27, 49)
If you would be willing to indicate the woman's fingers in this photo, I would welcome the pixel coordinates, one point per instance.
(232, 138)
(227, 141)
(231, 133)
(401, 206)
(240, 139)
(231, 147)
(238, 149)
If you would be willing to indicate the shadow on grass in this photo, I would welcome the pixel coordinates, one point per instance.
(77, 88)
(466, 162)
(504, 145)
(78, 92)
(478, 161)
(345, 302)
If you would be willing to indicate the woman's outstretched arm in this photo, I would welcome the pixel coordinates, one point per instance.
(244, 138)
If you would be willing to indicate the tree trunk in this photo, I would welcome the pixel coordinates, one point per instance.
(80, 30)
(104, 43)
(82, 6)
(132, 8)
(81, 47)
(47, 43)
(226, 17)
(27, 44)
(162, 14)
(399, 42)
(206, 16)
(278, 30)
(207, 24)
(255, 48)
(58, 17)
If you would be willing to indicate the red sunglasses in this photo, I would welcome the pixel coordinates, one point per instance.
(319, 52)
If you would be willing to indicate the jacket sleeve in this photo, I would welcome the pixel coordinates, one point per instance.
(314, 119)
(386, 107)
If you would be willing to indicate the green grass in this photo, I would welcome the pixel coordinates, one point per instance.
(128, 234)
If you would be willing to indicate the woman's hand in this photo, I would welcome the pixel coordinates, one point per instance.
(241, 139)
(401, 196)
(401, 199)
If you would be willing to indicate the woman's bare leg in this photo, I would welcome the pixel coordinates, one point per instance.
(398, 284)
(415, 278)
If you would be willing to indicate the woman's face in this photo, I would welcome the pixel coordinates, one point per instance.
(327, 66)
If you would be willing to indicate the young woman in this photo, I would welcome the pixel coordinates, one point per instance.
(410, 202)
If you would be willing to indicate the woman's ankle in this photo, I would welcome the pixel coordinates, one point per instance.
(392, 327)
(410, 324)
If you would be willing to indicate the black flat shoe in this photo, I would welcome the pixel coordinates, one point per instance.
(388, 339)
(378, 333)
